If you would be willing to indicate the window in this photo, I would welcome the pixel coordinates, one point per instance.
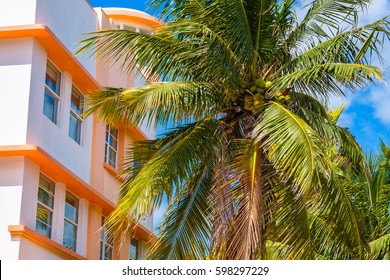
(70, 221)
(106, 243)
(76, 109)
(45, 206)
(111, 148)
(133, 251)
(52, 93)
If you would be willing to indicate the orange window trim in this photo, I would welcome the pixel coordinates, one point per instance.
(56, 52)
(114, 171)
(59, 173)
(22, 231)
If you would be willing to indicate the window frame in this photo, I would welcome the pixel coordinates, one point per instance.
(137, 242)
(108, 147)
(77, 116)
(42, 204)
(106, 242)
(68, 220)
(56, 95)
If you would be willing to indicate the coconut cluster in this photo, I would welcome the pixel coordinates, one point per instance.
(253, 95)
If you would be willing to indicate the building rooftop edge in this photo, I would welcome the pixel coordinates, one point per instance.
(132, 14)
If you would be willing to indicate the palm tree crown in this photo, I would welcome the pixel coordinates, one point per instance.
(254, 164)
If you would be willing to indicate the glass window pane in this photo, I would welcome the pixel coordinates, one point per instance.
(45, 198)
(112, 157)
(70, 212)
(51, 83)
(46, 184)
(43, 228)
(114, 132)
(113, 143)
(75, 103)
(49, 106)
(133, 254)
(44, 214)
(52, 78)
(74, 128)
(70, 233)
(71, 207)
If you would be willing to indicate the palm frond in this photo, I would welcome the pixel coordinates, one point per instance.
(333, 134)
(185, 229)
(246, 238)
(338, 208)
(292, 146)
(292, 224)
(157, 103)
(354, 45)
(325, 15)
(380, 248)
(166, 172)
(321, 80)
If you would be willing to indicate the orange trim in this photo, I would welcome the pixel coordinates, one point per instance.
(132, 15)
(22, 231)
(56, 171)
(56, 51)
(142, 233)
(112, 170)
(136, 133)
(60, 56)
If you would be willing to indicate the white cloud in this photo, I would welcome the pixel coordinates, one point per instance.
(380, 100)
(377, 10)
(302, 9)
(338, 101)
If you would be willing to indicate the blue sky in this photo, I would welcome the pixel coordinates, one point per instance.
(132, 4)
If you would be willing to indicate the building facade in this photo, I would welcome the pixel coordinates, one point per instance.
(59, 170)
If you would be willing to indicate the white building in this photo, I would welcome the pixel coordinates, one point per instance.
(58, 171)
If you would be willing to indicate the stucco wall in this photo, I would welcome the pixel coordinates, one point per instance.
(11, 181)
(15, 72)
(69, 20)
(25, 9)
(54, 138)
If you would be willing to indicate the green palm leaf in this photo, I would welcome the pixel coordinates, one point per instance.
(255, 166)
(292, 146)
(186, 226)
(156, 103)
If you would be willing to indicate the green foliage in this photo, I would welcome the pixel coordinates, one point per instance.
(255, 165)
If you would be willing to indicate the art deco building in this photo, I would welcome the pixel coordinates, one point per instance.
(59, 170)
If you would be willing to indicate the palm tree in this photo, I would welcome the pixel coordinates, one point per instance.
(246, 168)
(371, 195)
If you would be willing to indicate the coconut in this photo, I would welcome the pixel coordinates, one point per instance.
(260, 82)
(258, 96)
(268, 84)
(259, 90)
